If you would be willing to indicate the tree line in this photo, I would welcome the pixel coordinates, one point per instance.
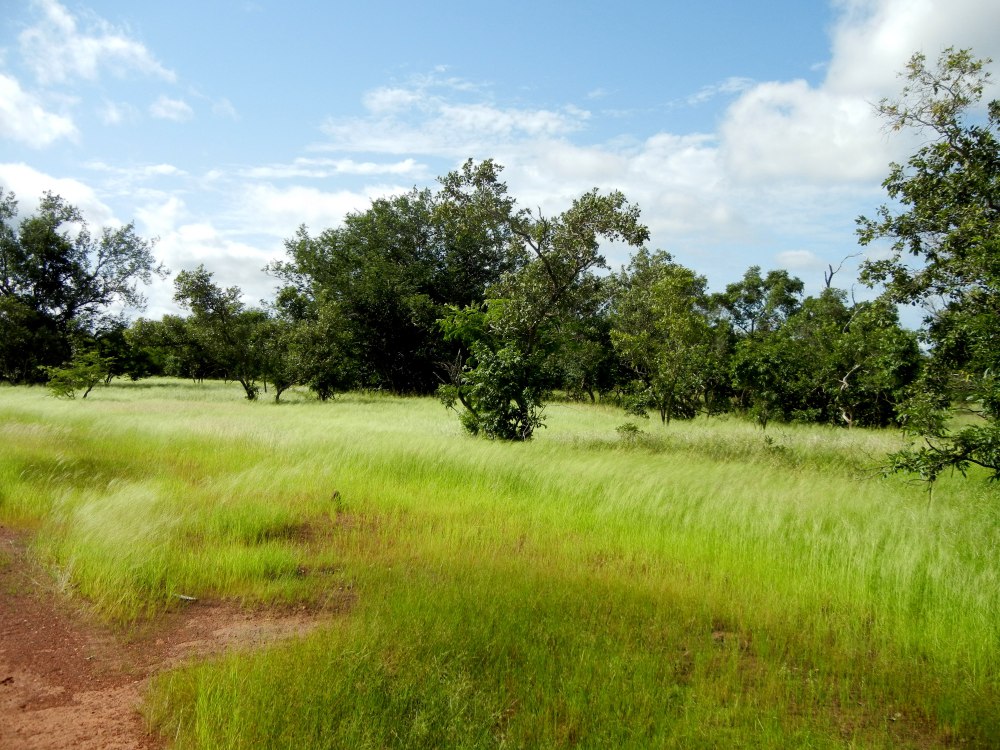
(462, 292)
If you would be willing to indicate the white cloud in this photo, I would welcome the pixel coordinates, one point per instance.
(325, 168)
(116, 113)
(165, 108)
(24, 119)
(829, 133)
(799, 260)
(731, 85)
(162, 170)
(385, 100)
(424, 117)
(58, 51)
(161, 215)
(184, 246)
(792, 131)
(29, 184)
(447, 129)
(125, 177)
(279, 211)
(873, 39)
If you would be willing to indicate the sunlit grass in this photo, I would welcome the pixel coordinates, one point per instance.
(700, 584)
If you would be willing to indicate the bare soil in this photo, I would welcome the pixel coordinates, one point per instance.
(69, 681)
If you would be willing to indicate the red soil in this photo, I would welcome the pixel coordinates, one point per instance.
(69, 681)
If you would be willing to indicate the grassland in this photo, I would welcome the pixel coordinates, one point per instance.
(699, 585)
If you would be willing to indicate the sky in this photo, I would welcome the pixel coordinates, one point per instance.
(745, 132)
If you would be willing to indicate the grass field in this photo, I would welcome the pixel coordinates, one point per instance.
(700, 585)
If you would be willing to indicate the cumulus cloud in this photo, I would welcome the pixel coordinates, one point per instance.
(29, 184)
(58, 51)
(24, 119)
(789, 130)
(792, 131)
(873, 39)
(799, 260)
(165, 108)
(184, 246)
(279, 211)
(160, 215)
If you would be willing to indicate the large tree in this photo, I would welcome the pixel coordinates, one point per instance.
(509, 359)
(59, 282)
(661, 329)
(224, 327)
(387, 274)
(829, 362)
(945, 255)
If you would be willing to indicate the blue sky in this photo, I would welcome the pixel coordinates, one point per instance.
(744, 131)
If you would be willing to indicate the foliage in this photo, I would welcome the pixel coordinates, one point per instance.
(385, 277)
(945, 252)
(86, 370)
(305, 343)
(124, 358)
(828, 363)
(760, 304)
(172, 348)
(511, 344)
(661, 331)
(223, 326)
(58, 279)
(586, 362)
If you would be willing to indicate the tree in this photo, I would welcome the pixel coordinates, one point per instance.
(510, 344)
(303, 343)
(660, 329)
(873, 364)
(388, 274)
(86, 370)
(586, 360)
(172, 347)
(58, 279)
(830, 363)
(945, 255)
(223, 326)
(759, 304)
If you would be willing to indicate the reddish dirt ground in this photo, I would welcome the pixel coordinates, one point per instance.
(68, 681)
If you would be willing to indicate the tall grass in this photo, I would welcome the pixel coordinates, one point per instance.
(703, 584)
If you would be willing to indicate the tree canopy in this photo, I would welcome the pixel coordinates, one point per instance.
(510, 343)
(59, 282)
(945, 255)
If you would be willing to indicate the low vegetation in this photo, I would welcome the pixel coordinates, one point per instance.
(697, 584)
(692, 581)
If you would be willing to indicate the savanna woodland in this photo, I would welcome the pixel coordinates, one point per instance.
(745, 517)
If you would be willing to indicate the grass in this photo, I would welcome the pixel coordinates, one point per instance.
(699, 585)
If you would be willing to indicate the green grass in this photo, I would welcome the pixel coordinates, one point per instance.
(702, 585)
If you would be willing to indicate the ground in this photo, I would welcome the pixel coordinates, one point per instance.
(68, 680)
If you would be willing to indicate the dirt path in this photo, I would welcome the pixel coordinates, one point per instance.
(67, 681)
